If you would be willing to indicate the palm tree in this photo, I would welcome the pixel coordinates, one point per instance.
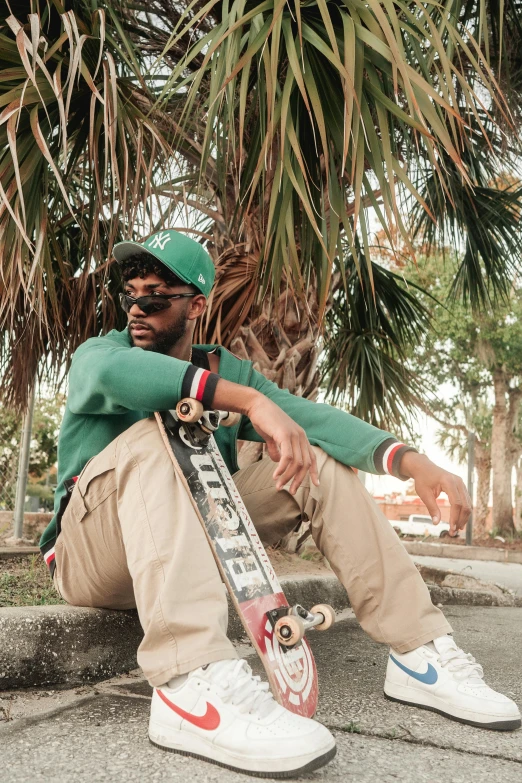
(280, 126)
(78, 158)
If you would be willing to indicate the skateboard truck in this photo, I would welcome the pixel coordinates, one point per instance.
(200, 424)
(191, 411)
(291, 622)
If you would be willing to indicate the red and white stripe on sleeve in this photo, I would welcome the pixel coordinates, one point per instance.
(200, 384)
(388, 455)
(49, 556)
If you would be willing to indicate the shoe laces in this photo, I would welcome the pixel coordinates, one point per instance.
(462, 665)
(238, 686)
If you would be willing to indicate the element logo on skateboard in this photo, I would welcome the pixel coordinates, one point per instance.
(293, 668)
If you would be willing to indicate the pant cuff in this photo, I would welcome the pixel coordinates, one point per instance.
(211, 656)
(427, 636)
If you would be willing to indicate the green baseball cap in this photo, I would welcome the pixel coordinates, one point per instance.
(182, 255)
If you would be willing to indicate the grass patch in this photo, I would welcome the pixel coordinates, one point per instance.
(313, 557)
(352, 728)
(25, 581)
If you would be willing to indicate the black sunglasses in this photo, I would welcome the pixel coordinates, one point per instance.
(150, 304)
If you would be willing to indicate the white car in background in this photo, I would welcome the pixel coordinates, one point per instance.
(420, 525)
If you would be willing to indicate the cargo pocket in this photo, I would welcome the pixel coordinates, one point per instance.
(95, 483)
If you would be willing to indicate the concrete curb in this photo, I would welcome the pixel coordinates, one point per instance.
(455, 596)
(53, 645)
(7, 552)
(44, 645)
(50, 645)
(462, 552)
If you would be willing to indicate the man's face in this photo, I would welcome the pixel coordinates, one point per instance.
(159, 331)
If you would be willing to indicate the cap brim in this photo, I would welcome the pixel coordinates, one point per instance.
(123, 250)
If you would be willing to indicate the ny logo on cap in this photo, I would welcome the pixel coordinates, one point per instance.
(160, 240)
(201, 279)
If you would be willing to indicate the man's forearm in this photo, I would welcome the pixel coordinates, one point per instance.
(229, 396)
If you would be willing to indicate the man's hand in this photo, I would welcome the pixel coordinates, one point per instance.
(430, 481)
(286, 443)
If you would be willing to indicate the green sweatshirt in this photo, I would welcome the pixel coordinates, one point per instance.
(112, 385)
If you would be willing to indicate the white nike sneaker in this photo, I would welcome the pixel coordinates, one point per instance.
(224, 714)
(439, 676)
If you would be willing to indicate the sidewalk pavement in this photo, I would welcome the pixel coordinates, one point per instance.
(455, 551)
(99, 733)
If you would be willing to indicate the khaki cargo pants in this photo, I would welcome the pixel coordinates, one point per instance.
(130, 538)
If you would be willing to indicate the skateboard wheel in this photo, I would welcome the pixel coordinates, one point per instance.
(328, 613)
(289, 630)
(228, 418)
(189, 410)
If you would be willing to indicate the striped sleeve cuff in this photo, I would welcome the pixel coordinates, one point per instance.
(201, 385)
(48, 555)
(387, 457)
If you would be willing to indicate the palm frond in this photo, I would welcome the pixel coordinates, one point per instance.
(369, 331)
(497, 25)
(310, 109)
(485, 220)
(78, 155)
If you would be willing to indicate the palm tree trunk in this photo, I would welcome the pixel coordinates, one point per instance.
(483, 466)
(518, 497)
(283, 347)
(501, 459)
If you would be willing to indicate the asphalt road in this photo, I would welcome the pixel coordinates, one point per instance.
(100, 733)
(507, 574)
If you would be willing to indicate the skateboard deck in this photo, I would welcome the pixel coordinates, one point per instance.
(244, 565)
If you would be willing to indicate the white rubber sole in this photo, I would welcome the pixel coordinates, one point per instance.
(188, 744)
(405, 694)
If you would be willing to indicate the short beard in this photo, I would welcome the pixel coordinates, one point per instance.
(167, 339)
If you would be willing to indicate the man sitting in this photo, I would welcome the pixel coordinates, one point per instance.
(129, 536)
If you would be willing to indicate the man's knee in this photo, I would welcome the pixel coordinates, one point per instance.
(142, 428)
(143, 437)
(328, 467)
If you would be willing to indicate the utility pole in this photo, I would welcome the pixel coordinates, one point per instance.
(471, 467)
(23, 467)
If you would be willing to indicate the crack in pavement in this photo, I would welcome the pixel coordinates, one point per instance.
(18, 724)
(413, 740)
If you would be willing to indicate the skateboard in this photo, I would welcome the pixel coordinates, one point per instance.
(275, 629)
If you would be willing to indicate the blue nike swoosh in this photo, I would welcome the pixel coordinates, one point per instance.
(429, 677)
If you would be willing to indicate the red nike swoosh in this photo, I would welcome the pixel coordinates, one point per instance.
(209, 721)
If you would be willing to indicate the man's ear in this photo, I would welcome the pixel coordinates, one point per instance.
(198, 305)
